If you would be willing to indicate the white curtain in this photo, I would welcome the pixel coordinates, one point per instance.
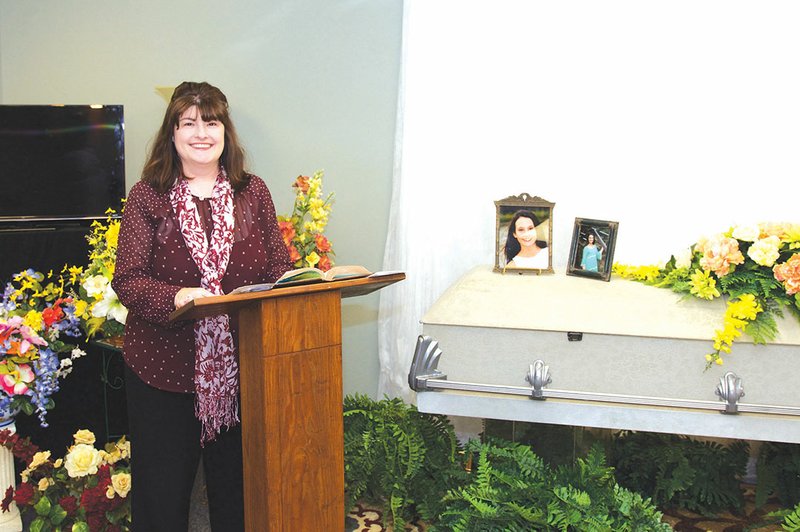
(676, 119)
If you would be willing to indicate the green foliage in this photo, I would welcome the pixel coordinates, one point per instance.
(792, 520)
(764, 328)
(677, 279)
(778, 469)
(754, 280)
(512, 489)
(397, 456)
(677, 471)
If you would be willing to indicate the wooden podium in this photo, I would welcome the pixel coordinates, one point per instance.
(290, 365)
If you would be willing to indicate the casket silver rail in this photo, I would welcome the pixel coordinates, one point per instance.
(424, 375)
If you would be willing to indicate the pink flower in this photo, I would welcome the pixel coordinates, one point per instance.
(789, 274)
(719, 253)
(17, 380)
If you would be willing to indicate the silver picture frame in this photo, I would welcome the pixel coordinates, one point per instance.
(591, 253)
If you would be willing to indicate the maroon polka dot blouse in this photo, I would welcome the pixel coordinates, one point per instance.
(153, 263)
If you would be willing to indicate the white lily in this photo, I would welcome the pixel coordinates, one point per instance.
(110, 306)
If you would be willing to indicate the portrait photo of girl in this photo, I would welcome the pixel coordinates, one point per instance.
(524, 235)
(592, 248)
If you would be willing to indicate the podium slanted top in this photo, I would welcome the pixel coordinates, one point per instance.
(231, 303)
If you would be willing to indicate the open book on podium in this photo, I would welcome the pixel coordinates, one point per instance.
(307, 276)
(353, 281)
(290, 375)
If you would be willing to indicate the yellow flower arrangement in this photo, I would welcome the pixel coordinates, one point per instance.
(757, 269)
(302, 229)
(99, 307)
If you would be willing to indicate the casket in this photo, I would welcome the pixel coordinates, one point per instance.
(619, 354)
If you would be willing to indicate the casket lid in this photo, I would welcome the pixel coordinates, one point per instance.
(483, 298)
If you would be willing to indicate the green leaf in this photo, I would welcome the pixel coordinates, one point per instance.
(43, 506)
(763, 329)
(40, 524)
(57, 514)
(80, 526)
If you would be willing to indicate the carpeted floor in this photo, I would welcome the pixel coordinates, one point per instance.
(364, 519)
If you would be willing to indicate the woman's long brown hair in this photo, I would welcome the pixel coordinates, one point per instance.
(163, 166)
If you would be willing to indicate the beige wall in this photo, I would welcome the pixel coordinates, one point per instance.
(312, 85)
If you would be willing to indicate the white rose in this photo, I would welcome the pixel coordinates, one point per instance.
(82, 460)
(121, 483)
(84, 436)
(42, 457)
(684, 258)
(746, 233)
(765, 251)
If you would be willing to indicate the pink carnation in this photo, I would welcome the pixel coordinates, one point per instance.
(789, 274)
(719, 253)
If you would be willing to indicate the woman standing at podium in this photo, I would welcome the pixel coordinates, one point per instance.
(195, 225)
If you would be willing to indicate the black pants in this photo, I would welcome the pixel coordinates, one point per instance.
(165, 454)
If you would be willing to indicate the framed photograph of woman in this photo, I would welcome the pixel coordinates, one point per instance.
(592, 250)
(523, 235)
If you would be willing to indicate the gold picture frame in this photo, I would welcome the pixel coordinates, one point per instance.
(535, 213)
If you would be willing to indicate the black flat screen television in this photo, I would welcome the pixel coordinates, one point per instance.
(60, 162)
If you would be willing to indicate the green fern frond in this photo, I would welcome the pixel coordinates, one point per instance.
(763, 329)
(791, 522)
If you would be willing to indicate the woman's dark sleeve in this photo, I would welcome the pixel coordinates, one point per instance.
(144, 296)
(278, 261)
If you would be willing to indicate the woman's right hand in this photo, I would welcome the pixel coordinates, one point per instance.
(186, 295)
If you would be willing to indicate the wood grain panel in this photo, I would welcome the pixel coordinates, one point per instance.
(312, 321)
(311, 442)
(291, 385)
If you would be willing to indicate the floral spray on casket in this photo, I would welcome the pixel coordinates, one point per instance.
(757, 268)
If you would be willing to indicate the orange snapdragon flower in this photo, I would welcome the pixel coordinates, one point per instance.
(287, 231)
(324, 263)
(302, 183)
(294, 255)
(323, 244)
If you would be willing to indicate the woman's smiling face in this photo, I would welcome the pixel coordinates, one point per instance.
(525, 232)
(198, 143)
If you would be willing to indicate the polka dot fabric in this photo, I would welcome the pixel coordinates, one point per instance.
(153, 263)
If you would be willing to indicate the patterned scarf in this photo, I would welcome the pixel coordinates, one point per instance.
(216, 372)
